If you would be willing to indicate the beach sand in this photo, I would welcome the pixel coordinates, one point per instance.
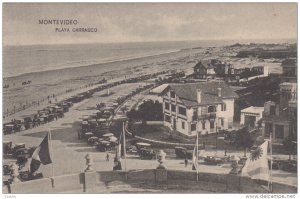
(47, 83)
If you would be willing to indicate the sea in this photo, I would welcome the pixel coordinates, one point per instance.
(18, 60)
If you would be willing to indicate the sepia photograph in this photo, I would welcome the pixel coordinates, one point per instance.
(152, 98)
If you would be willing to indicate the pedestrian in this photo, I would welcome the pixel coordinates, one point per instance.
(186, 162)
(107, 157)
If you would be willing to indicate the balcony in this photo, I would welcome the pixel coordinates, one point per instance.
(204, 116)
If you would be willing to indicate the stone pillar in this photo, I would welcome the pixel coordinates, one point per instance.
(89, 163)
(161, 171)
(14, 173)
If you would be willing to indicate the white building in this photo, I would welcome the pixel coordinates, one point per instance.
(251, 115)
(201, 107)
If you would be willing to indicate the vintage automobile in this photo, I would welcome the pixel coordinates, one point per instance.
(8, 128)
(131, 149)
(93, 140)
(7, 147)
(183, 153)
(104, 146)
(26, 175)
(28, 122)
(6, 169)
(88, 135)
(210, 160)
(16, 147)
(22, 155)
(146, 154)
(144, 150)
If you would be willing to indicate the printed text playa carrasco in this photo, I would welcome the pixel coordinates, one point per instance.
(66, 25)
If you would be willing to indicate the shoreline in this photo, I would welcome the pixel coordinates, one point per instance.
(7, 78)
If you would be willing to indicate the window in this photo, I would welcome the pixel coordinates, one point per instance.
(183, 125)
(167, 106)
(222, 122)
(193, 127)
(268, 129)
(203, 125)
(173, 108)
(212, 124)
(223, 107)
(272, 110)
(168, 118)
(172, 94)
(279, 131)
(182, 111)
(211, 109)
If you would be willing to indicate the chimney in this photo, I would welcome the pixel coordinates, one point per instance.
(219, 92)
(199, 97)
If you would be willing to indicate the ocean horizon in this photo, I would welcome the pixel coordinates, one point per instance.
(24, 59)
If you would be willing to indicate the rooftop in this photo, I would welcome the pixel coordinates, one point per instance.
(253, 109)
(209, 92)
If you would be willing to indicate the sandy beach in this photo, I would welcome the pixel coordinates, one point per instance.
(47, 83)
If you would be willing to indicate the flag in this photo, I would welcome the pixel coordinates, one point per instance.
(256, 166)
(41, 155)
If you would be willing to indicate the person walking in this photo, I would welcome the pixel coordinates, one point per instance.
(185, 162)
(107, 157)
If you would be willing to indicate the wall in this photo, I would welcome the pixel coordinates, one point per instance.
(149, 178)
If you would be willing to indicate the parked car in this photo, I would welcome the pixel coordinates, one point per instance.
(104, 146)
(147, 154)
(92, 140)
(16, 147)
(210, 160)
(183, 153)
(22, 155)
(7, 147)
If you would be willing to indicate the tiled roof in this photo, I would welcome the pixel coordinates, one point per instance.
(188, 92)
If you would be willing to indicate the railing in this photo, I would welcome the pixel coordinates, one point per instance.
(204, 116)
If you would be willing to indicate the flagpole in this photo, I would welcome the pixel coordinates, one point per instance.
(197, 155)
(271, 170)
(124, 147)
(51, 151)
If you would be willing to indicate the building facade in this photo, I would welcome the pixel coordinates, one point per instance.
(280, 119)
(198, 107)
(251, 116)
(204, 70)
(289, 70)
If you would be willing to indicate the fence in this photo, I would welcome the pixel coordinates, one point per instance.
(148, 178)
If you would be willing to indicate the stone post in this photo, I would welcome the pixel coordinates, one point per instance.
(234, 164)
(14, 173)
(161, 171)
(89, 161)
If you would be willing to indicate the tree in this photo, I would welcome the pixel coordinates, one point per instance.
(243, 139)
(290, 146)
(150, 111)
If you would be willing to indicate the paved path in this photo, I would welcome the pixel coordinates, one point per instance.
(68, 152)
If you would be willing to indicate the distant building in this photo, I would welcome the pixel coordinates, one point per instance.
(289, 70)
(204, 70)
(201, 107)
(281, 118)
(251, 115)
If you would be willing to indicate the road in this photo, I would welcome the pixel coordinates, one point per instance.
(68, 152)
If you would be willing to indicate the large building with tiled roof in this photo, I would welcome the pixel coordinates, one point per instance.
(198, 107)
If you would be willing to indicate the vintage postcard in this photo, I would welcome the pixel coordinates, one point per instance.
(149, 98)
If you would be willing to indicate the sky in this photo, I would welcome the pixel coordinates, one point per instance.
(129, 22)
